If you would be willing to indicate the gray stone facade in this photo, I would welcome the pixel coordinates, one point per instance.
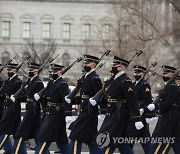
(56, 13)
(78, 26)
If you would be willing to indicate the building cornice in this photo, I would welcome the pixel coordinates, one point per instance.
(65, 1)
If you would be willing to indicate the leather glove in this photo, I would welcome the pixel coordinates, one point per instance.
(139, 125)
(36, 96)
(141, 111)
(13, 99)
(92, 101)
(151, 107)
(67, 99)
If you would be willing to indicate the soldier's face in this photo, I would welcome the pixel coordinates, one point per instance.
(120, 67)
(170, 74)
(137, 73)
(90, 64)
(58, 72)
(33, 70)
(10, 70)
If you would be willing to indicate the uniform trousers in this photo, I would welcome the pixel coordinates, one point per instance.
(42, 147)
(6, 143)
(123, 149)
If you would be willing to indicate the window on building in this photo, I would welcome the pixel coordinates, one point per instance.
(86, 31)
(6, 29)
(66, 31)
(65, 59)
(106, 31)
(5, 57)
(26, 30)
(46, 30)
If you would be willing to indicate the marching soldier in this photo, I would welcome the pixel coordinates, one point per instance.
(6, 145)
(166, 126)
(53, 127)
(1, 99)
(12, 110)
(176, 145)
(31, 120)
(84, 128)
(122, 109)
(142, 91)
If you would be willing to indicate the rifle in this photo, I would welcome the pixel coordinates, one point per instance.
(8, 62)
(101, 92)
(156, 100)
(43, 91)
(152, 74)
(71, 65)
(152, 65)
(20, 65)
(75, 90)
(6, 81)
(50, 61)
(20, 91)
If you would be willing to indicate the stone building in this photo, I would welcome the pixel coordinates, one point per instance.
(69, 22)
(77, 26)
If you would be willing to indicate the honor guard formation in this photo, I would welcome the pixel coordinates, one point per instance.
(128, 108)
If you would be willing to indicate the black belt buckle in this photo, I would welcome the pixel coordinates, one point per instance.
(85, 97)
(30, 100)
(7, 97)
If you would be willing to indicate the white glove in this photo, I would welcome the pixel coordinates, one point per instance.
(67, 99)
(141, 111)
(101, 116)
(13, 99)
(36, 96)
(148, 120)
(92, 101)
(139, 125)
(154, 119)
(68, 119)
(151, 107)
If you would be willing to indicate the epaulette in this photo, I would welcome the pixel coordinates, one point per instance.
(97, 77)
(63, 82)
(173, 84)
(145, 83)
(39, 81)
(128, 80)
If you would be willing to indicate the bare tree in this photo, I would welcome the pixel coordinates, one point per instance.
(176, 5)
(40, 52)
(151, 25)
(157, 19)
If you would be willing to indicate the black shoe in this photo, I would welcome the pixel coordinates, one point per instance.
(58, 151)
(6, 152)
